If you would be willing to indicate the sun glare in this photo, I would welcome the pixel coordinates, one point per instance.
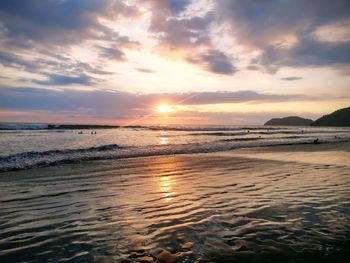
(164, 108)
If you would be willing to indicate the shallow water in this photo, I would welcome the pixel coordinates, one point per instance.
(22, 149)
(228, 207)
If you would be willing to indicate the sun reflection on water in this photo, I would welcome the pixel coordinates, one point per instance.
(164, 177)
(166, 184)
(163, 139)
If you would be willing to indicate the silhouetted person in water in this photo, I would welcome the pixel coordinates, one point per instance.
(316, 141)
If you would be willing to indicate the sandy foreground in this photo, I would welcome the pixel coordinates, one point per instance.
(286, 203)
(327, 153)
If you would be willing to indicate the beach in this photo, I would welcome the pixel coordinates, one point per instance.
(174, 131)
(262, 204)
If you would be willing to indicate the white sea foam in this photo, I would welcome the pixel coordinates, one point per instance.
(112, 151)
(23, 126)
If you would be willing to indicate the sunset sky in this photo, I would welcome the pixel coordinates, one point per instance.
(172, 61)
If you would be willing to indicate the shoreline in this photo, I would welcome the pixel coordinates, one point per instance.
(271, 152)
(239, 204)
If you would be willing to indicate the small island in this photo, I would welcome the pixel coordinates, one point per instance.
(289, 121)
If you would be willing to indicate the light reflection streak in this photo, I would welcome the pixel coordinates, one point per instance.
(164, 139)
(166, 180)
(166, 184)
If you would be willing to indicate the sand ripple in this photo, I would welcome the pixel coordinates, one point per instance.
(174, 209)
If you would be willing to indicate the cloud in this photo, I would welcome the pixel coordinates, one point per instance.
(60, 80)
(114, 107)
(284, 31)
(170, 7)
(189, 33)
(215, 61)
(309, 52)
(80, 41)
(259, 23)
(14, 61)
(233, 97)
(178, 5)
(39, 37)
(111, 53)
(60, 21)
(126, 104)
(146, 70)
(60, 70)
(184, 33)
(292, 78)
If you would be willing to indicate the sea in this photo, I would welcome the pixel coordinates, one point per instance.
(28, 145)
(168, 194)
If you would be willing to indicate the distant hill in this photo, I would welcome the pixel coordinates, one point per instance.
(290, 121)
(338, 118)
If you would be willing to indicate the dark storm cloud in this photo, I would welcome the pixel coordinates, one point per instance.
(215, 61)
(292, 78)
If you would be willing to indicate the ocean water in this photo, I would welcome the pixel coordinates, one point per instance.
(128, 195)
(29, 145)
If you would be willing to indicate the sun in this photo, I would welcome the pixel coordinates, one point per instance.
(164, 108)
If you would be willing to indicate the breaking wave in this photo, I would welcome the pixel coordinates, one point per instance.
(32, 159)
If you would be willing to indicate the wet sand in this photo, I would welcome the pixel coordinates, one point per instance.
(324, 153)
(273, 204)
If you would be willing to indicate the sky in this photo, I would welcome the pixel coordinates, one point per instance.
(172, 61)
